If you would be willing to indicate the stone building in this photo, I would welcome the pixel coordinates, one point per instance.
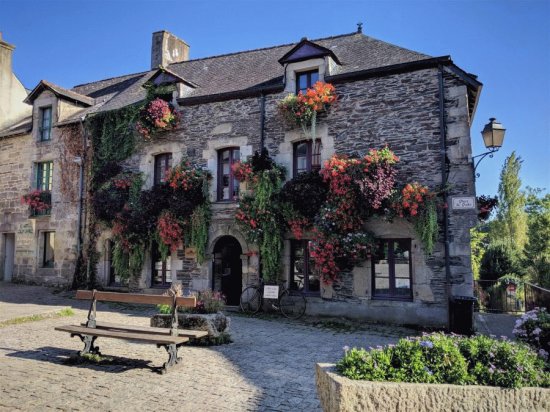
(422, 107)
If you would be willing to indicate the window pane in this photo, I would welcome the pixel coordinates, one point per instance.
(228, 186)
(314, 78)
(302, 82)
(401, 256)
(316, 157)
(381, 269)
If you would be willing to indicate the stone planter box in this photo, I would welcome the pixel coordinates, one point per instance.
(216, 324)
(338, 393)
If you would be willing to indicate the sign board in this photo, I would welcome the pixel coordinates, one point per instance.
(190, 253)
(511, 288)
(463, 203)
(271, 292)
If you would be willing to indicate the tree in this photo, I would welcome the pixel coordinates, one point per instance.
(497, 261)
(537, 249)
(478, 244)
(510, 225)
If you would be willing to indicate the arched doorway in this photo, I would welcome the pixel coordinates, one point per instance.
(227, 271)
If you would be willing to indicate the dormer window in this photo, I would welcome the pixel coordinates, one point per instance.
(306, 80)
(45, 127)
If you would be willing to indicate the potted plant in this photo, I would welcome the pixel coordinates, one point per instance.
(437, 371)
(207, 316)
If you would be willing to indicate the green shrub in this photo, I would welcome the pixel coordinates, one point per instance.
(439, 358)
(533, 328)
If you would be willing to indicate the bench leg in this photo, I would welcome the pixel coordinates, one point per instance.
(89, 346)
(173, 359)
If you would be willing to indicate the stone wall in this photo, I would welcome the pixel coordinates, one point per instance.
(401, 111)
(18, 158)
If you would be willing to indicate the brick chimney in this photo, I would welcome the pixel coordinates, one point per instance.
(167, 48)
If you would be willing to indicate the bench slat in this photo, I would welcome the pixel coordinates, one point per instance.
(143, 337)
(149, 329)
(184, 301)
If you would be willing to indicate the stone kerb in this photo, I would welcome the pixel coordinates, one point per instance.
(340, 394)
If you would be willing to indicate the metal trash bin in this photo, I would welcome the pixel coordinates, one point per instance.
(461, 314)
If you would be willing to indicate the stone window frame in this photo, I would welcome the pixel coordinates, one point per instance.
(233, 184)
(305, 289)
(41, 118)
(313, 156)
(162, 163)
(391, 275)
(44, 262)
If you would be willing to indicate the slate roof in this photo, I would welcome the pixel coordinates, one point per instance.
(246, 70)
(60, 92)
(23, 126)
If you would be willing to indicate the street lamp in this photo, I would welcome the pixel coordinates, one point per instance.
(493, 138)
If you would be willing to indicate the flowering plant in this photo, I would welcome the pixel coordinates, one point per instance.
(451, 359)
(533, 328)
(242, 171)
(413, 196)
(485, 205)
(40, 201)
(156, 116)
(302, 109)
(377, 179)
(170, 232)
(185, 176)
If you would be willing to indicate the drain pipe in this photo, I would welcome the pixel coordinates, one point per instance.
(262, 121)
(81, 184)
(443, 150)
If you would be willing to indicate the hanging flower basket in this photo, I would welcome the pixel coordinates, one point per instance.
(302, 109)
(40, 201)
(157, 116)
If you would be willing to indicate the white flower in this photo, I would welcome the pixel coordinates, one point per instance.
(537, 331)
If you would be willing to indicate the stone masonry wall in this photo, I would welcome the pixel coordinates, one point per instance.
(18, 158)
(401, 111)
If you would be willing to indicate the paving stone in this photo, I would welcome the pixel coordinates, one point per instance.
(269, 366)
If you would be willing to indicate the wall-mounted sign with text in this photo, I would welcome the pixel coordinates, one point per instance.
(463, 203)
(271, 292)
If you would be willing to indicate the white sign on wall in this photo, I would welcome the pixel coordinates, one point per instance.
(271, 292)
(463, 203)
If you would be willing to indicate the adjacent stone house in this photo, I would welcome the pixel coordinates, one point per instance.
(420, 106)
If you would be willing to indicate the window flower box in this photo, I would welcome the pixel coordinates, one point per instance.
(39, 201)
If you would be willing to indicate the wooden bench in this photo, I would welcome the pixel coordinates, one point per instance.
(169, 338)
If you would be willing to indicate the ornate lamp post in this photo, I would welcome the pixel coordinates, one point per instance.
(493, 138)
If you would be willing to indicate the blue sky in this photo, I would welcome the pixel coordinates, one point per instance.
(505, 42)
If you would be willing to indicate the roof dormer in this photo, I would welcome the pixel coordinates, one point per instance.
(170, 82)
(306, 63)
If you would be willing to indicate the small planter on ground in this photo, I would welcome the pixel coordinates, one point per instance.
(437, 372)
(207, 316)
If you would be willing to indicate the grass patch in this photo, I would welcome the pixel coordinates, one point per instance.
(65, 312)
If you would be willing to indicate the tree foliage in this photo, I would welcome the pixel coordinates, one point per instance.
(510, 225)
(537, 249)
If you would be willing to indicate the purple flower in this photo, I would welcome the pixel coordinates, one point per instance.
(346, 348)
(427, 344)
(520, 368)
(428, 370)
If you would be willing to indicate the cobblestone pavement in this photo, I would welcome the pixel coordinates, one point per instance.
(268, 367)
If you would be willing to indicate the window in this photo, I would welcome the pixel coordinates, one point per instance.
(307, 156)
(305, 80)
(48, 249)
(163, 162)
(391, 268)
(44, 174)
(45, 128)
(161, 274)
(228, 186)
(303, 277)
